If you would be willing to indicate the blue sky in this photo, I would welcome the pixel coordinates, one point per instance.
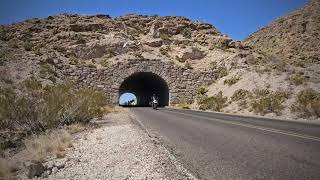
(126, 97)
(236, 18)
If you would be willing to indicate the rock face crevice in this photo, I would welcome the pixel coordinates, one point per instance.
(182, 82)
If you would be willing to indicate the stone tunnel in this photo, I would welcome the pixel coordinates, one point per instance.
(143, 77)
(143, 85)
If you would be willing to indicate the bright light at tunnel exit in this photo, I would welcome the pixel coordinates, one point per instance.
(127, 97)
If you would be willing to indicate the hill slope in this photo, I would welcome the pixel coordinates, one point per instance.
(251, 79)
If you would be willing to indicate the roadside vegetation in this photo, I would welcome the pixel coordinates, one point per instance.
(265, 101)
(31, 108)
(213, 103)
(307, 103)
(232, 80)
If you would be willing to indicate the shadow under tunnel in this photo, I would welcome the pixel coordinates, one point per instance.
(143, 85)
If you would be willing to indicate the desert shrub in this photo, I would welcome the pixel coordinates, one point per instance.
(213, 65)
(214, 103)
(297, 79)
(164, 37)
(105, 63)
(13, 43)
(60, 48)
(35, 108)
(268, 101)
(179, 59)
(240, 94)
(279, 66)
(231, 81)
(73, 61)
(201, 94)
(187, 65)
(201, 91)
(165, 50)
(138, 54)
(27, 46)
(307, 103)
(261, 92)
(187, 32)
(222, 71)
(4, 57)
(80, 40)
(90, 65)
(299, 63)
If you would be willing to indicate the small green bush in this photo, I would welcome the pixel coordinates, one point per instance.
(297, 79)
(307, 103)
(179, 59)
(213, 65)
(165, 51)
(261, 92)
(47, 71)
(231, 81)
(187, 32)
(187, 65)
(27, 46)
(73, 61)
(222, 71)
(105, 63)
(80, 40)
(201, 91)
(267, 101)
(4, 57)
(214, 103)
(240, 94)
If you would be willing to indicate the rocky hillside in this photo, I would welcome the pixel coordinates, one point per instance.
(98, 41)
(249, 78)
(294, 39)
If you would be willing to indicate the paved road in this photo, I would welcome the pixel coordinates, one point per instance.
(217, 146)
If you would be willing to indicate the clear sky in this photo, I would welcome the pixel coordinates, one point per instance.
(127, 97)
(236, 18)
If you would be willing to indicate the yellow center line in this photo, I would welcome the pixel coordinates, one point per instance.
(314, 138)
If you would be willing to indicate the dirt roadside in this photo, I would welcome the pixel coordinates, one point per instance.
(119, 149)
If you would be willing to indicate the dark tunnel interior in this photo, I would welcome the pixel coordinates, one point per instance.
(143, 85)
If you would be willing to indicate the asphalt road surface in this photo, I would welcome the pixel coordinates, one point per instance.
(218, 146)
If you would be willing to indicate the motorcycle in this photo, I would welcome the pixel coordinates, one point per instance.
(155, 104)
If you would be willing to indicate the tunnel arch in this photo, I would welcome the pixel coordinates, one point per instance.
(143, 85)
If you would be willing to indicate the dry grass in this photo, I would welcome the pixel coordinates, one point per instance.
(5, 170)
(51, 144)
(77, 127)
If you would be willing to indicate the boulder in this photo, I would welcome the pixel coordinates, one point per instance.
(35, 168)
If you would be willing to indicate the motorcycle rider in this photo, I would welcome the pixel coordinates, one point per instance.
(154, 101)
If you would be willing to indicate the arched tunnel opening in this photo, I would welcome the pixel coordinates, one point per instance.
(143, 85)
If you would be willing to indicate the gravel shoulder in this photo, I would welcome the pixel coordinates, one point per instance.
(117, 150)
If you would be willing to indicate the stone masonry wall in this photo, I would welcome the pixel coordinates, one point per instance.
(182, 82)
